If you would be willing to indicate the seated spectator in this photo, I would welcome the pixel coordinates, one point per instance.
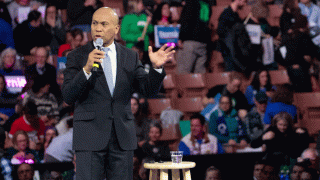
(311, 11)
(60, 149)
(76, 37)
(232, 89)
(199, 141)
(141, 120)
(258, 173)
(310, 174)
(6, 167)
(55, 27)
(311, 157)
(281, 138)
(297, 170)
(20, 152)
(47, 105)
(281, 102)
(32, 32)
(213, 173)
(50, 133)
(6, 35)
(287, 19)
(226, 125)
(9, 65)
(25, 172)
(261, 82)
(175, 12)
(153, 149)
(254, 119)
(162, 15)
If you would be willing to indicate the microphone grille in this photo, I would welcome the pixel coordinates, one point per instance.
(99, 42)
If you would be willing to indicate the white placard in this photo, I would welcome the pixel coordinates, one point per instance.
(268, 51)
(24, 11)
(254, 32)
(283, 51)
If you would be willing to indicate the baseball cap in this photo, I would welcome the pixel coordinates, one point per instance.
(261, 97)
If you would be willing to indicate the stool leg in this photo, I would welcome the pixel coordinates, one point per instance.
(186, 174)
(153, 174)
(175, 174)
(164, 174)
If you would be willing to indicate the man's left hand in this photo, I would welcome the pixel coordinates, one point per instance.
(163, 55)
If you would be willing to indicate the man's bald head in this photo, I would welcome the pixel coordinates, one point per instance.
(109, 12)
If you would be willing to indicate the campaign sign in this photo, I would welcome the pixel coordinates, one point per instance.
(166, 34)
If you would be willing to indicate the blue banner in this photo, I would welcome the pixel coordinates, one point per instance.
(166, 35)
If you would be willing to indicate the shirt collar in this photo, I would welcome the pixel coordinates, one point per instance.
(112, 47)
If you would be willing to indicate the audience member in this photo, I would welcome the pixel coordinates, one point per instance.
(17, 113)
(55, 27)
(26, 35)
(6, 35)
(60, 149)
(25, 172)
(213, 173)
(6, 167)
(132, 26)
(310, 174)
(258, 173)
(21, 152)
(297, 170)
(199, 141)
(226, 125)
(71, 174)
(30, 123)
(261, 82)
(47, 105)
(14, 6)
(175, 12)
(141, 120)
(311, 11)
(162, 15)
(254, 119)
(194, 36)
(234, 41)
(153, 149)
(76, 37)
(9, 65)
(281, 138)
(311, 156)
(7, 99)
(287, 19)
(50, 133)
(281, 102)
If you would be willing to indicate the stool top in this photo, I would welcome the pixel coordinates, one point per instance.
(170, 165)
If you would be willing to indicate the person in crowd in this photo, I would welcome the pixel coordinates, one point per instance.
(71, 174)
(281, 138)
(133, 24)
(6, 35)
(6, 168)
(21, 152)
(311, 156)
(232, 89)
(142, 122)
(265, 169)
(60, 148)
(261, 82)
(194, 36)
(310, 174)
(47, 105)
(17, 113)
(231, 29)
(76, 37)
(288, 18)
(281, 102)
(213, 173)
(254, 119)
(29, 31)
(297, 170)
(311, 11)
(153, 149)
(7, 99)
(25, 172)
(226, 125)
(258, 173)
(162, 15)
(199, 141)
(30, 123)
(9, 65)
(175, 12)
(50, 133)
(300, 51)
(55, 27)
(14, 6)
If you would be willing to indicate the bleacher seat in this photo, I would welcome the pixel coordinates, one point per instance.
(191, 85)
(169, 85)
(215, 79)
(279, 77)
(189, 106)
(157, 105)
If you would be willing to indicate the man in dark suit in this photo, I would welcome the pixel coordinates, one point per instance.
(104, 132)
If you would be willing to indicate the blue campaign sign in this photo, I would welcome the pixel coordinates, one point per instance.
(166, 34)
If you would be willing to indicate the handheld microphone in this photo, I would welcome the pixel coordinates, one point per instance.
(99, 43)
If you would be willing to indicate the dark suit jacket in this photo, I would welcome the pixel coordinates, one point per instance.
(95, 108)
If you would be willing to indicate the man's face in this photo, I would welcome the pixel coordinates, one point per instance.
(268, 172)
(60, 79)
(213, 175)
(104, 25)
(296, 172)
(234, 86)
(25, 172)
(76, 42)
(261, 106)
(22, 142)
(41, 56)
(36, 23)
(258, 171)
(196, 127)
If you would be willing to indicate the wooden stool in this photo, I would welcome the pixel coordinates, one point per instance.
(185, 166)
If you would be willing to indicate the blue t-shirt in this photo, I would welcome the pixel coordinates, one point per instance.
(274, 108)
(186, 151)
